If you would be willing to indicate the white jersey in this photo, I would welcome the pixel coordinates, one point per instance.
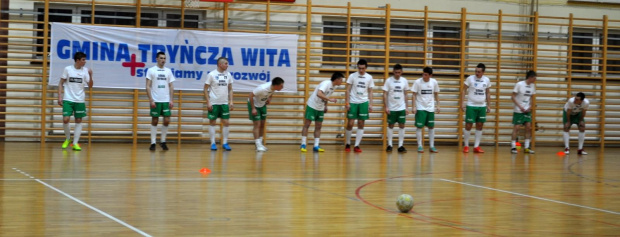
(396, 93)
(218, 86)
(327, 87)
(359, 87)
(575, 108)
(161, 78)
(425, 94)
(262, 94)
(477, 91)
(524, 95)
(75, 81)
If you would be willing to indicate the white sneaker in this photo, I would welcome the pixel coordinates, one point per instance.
(567, 151)
(261, 148)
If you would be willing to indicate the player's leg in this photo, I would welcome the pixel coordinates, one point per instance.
(224, 117)
(67, 111)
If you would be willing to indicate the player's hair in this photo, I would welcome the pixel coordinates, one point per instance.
(398, 67)
(362, 62)
(581, 95)
(428, 70)
(277, 81)
(481, 65)
(160, 53)
(337, 75)
(221, 58)
(78, 55)
(529, 74)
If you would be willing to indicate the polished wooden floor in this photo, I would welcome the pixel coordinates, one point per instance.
(112, 189)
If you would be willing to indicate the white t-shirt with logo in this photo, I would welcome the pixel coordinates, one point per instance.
(161, 78)
(262, 94)
(396, 93)
(75, 81)
(327, 87)
(425, 94)
(359, 87)
(477, 91)
(575, 108)
(218, 86)
(524, 95)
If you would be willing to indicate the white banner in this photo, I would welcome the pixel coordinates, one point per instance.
(119, 57)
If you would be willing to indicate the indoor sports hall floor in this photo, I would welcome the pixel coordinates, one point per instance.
(114, 189)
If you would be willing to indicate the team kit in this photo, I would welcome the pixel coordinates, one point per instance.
(218, 95)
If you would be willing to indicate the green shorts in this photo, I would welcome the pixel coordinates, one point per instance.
(219, 111)
(396, 116)
(260, 115)
(69, 108)
(574, 119)
(313, 114)
(521, 118)
(475, 114)
(161, 109)
(358, 111)
(424, 118)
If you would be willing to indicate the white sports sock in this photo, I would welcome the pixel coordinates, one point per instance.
(466, 135)
(401, 136)
(153, 134)
(347, 136)
(316, 141)
(390, 133)
(258, 142)
(212, 133)
(478, 137)
(164, 133)
(225, 135)
(527, 143)
(582, 138)
(418, 134)
(67, 130)
(513, 144)
(566, 136)
(431, 137)
(358, 136)
(303, 140)
(77, 133)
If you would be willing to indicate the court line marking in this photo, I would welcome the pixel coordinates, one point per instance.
(225, 179)
(534, 197)
(85, 204)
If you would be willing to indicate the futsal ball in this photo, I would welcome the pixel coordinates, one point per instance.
(518, 145)
(404, 203)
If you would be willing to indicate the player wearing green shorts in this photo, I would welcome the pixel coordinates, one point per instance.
(316, 107)
(476, 108)
(574, 113)
(160, 91)
(425, 100)
(358, 103)
(395, 104)
(219, 99)
(522, 96)
(258, 100)
(71, 97)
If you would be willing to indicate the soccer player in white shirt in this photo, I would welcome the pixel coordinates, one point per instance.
(258, 100)
(425, 100)
(522, 96)
(71, 97)
(574, 113)
(476, 108)
(395, 103)
(316, 107)
(219, 99)
(358, 103)
(160, 91)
